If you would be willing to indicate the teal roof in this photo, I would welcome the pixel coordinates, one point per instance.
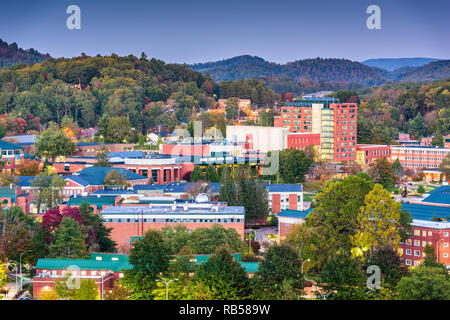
(6, 192)
(119, 262)
(5, 145)
(98, 201)
(294, 213)
(250, 267)
(83, 264)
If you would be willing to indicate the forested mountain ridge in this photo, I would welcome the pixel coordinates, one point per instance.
(309, 75)
(392, 64)
(11, 54)
(147, 92)
(316, 70)
(436, 70)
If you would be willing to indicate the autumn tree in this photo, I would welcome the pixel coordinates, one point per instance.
(378, 221)
(115, 178)
(382, 172)
(28, 167)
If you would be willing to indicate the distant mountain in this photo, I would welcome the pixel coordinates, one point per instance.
(315, 70)
(309, 75)
(11, 54)
(392, 64)
(432, 71)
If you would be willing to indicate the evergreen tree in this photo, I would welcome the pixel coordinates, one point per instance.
(69, 240)
(149, 257)
(99, 236)
(224, 276)
(438, 140)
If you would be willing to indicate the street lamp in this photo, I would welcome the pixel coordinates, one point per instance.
(167, 285)
(15, 267)
(20, 266)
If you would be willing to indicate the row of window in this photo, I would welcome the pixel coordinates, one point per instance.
(231, 220)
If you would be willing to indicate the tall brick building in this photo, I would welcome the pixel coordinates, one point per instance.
(335, 122)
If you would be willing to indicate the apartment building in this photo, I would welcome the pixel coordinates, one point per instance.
(335, 122)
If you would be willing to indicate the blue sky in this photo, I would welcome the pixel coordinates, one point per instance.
(198, 31)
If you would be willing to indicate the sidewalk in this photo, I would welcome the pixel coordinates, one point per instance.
(12, 290)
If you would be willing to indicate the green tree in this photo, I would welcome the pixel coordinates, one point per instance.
(425, 283)
(69, 240)
(430, 259)
(197, 175)
(102, 158)
(378, 222)
(444, 167)
(293, 165)
(281, 263)
(99, 236)
(397, 167)
(417, 126)
(334, 217)
(232, 108)
(149, 257)
(224, 276)
(382, 172)
(87, 290)
(48, 190)
(118, 130)
(52, 143)
(438, 140)
(253, 197)
(342, 278)
(390, 263)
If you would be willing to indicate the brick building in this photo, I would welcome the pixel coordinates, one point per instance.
(367, 153)
(134, 220)
(285, 196)
(419, 157)
(335, 122)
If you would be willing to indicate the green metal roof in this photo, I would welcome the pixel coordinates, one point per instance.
(250, 267)
(103, 200)
(6, 192)
(83, 264)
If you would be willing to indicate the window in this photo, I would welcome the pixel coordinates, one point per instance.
(417, 253)
(424, 233)
(408, 252)
(417, 232)
(445, 234)
(408, 262)
(83, 273)
(445, 255)
(417, 243)
(445, 244)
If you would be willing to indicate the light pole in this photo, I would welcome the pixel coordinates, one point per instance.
(20, 266)
(167, 285)
(15, 267)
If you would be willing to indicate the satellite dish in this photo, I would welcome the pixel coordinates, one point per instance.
(202, 198)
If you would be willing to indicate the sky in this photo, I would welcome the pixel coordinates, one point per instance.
(193, 31)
